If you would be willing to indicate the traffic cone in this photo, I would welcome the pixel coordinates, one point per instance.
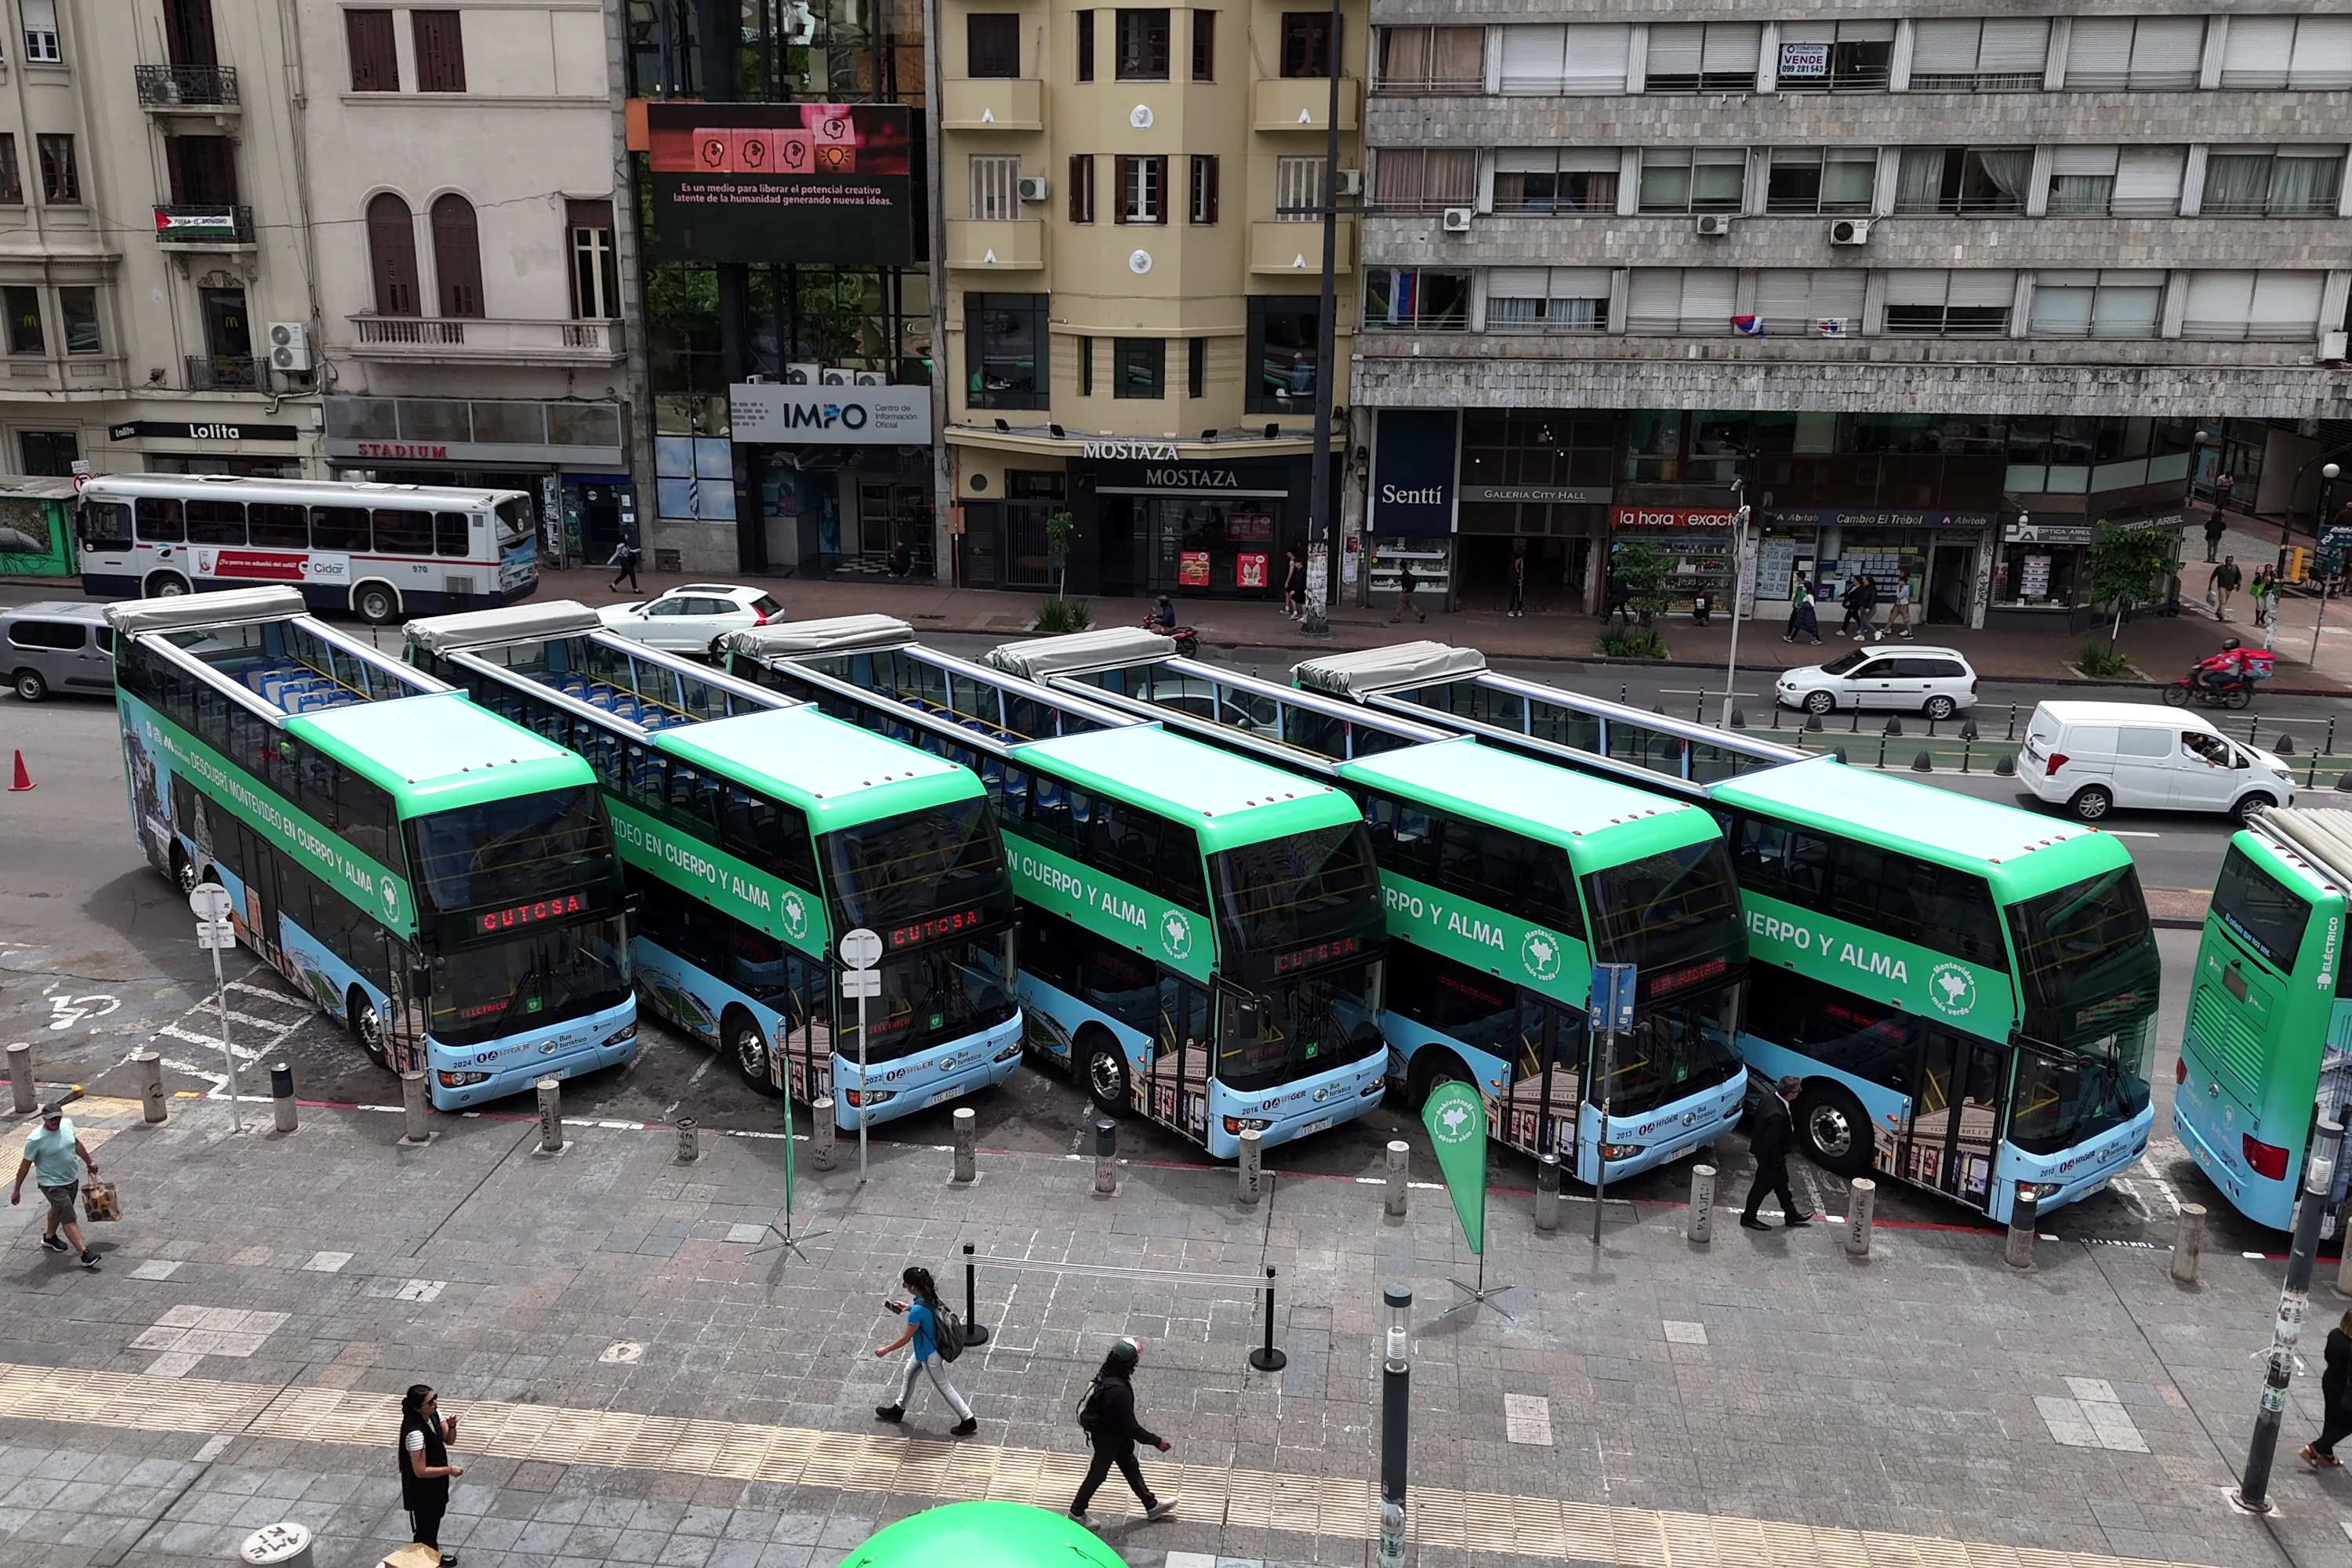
(23, 781)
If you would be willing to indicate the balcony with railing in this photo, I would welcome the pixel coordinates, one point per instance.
(992, 103)
(203, 227)
(194, 90)
(228, 372)
(1303, 103)
(476, 339)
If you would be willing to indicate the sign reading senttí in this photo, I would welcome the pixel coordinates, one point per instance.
(778, 415)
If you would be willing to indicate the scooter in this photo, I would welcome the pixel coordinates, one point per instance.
(2236, 692)
(1187, 639)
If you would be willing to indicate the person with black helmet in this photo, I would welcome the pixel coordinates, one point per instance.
(1107, 1415)
(2222, 669)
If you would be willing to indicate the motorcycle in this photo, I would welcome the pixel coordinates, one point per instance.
(2234, 694)
(1187, 639)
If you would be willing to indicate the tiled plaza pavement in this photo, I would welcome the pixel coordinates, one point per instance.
(645, 1387)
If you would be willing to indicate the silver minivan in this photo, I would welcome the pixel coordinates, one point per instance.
(58, 645)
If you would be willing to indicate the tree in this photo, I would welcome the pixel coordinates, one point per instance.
(1640, 568)
(1059, 526)
(2123, 563)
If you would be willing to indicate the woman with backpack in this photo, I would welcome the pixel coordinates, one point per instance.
(930, 1328)
(1106, 1415)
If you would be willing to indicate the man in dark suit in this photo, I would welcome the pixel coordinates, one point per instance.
(1771, 1138)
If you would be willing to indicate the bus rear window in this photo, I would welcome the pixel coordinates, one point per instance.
(2260, 911)
(508, 851)
(888, 874)
(514, 521)
(1302, 886)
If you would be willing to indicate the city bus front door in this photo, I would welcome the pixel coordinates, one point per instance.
(1537, 1113)
(1946, 1142)
(1179, 1059)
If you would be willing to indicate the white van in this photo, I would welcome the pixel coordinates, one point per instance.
(2092, 757)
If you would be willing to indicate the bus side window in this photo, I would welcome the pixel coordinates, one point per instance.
(105, 525)
(746, 826)
(450, 536)
(400, 532)
(340, 527)
(159, 520)
(273, 525)
(1049, 814)
(648, 782)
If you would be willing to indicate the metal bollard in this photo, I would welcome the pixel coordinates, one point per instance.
(20, 1076)
(967, 1146)
(416, 1109)
(974, 1331)
(1862, 1202)
(689, 1141)
(1106, 1155)
(150, 1069)
(2022, 1215)
(1547, 1193)
(1266, 1358)
(281, 1096)
(550, 1114)
(2186, 1246)
(1248, 1170)
(821, 1133)
(1400, 1167)
(283, 1545)
(1701, 1225)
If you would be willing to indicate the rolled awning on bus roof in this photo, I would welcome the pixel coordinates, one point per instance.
(1373, 671)
(227, 606)
(1108, 647)
(514, 623)
(2322, 833)
(837, 633)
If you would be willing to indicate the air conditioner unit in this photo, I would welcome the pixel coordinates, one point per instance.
(871, 378)
(1712, 225)
(1850, 231)
(801, 374)
(2331, 348)
(1457, 220)
(1032, 187)
(1351, 183)
(755, 379)
(290, 345)
(835, 376)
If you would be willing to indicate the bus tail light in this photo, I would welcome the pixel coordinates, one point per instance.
(2268, 1161)
(2057, 760)
(2180, 1070)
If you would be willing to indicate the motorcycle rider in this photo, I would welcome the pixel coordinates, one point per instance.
(2219, 671)
(1162, 618)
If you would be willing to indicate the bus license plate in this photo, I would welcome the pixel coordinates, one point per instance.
(942, 1096)
(1315, 1127)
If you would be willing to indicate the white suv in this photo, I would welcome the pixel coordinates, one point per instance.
(693, 618)
(1933, 681)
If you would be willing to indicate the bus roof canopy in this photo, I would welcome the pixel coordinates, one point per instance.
(837, 774)
(1576, 811)
(1229, 800)
(439, 751)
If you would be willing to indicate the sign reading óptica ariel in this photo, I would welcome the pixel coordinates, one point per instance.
(1184, 940)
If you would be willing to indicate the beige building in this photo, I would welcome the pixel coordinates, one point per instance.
(1132, 322)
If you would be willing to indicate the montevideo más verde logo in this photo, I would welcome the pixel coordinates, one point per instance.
(1176, 934)
(1539, 950)
(1952, 989)
(1455, 1120)
(795, 912)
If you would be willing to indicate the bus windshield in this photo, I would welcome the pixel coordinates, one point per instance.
(2086, 961)
(892, 873)
(543, 976)
(2065, 1098)
(502, 852)
(1665, 908)
(2260, 911)
(1675, 1050)
(514, 521)
(1302, 1029)
(1304, 886)
(943, 992)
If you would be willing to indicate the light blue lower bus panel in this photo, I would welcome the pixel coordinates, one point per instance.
(460, 1076)
(2219, 1152)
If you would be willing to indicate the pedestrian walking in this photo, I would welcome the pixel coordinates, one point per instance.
(1801, 622)
(1770, 1140)
(50, 1150)
(624, 564)
(1406, 583)
(1898, 615)
(1518, 584)
(928, 1323)
(425, 1469)
(2223, 489)
(1852, 600)
(2223, 583)
(2214, 528)
(2335, 1400)
(1106, 1415)
(1619, 597)
(1294, 585)
(902, 560)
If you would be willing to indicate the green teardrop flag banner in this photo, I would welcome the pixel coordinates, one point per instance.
(1456, 1119)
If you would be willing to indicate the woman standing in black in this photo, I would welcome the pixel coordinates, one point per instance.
(425, 1469)
(2335, 1400)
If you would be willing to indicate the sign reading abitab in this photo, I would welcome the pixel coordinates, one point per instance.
(773, 415)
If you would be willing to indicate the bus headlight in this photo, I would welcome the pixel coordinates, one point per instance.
(463, 1079)
(626, 1031)
(1009, 1052)
(1237, 1125)
(861, 1098)
(1621, 1150)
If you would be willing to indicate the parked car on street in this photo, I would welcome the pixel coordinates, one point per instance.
(1935, 681)
(2092, 757)
(693, 618)
(56, 645)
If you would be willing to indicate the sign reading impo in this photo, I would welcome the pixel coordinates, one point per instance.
(778, 415)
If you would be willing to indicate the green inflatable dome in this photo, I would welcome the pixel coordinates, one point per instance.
(984, 1535)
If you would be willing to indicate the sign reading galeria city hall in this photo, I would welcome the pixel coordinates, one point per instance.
(773, 414)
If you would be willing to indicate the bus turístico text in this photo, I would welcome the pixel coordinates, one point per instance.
(442, 881)
(1968, 990)
(1504, 880)
(2268, 1047)
(757, 831)
(379, 550)
(1202, 935)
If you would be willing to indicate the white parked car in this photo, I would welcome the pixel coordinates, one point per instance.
(2092, 757)
(693, 618)
(1935, 681)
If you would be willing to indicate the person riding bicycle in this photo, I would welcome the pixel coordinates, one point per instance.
(2228, 667)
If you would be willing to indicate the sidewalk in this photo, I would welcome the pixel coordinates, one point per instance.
(637, 1382)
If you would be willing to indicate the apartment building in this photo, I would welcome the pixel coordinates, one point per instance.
(1944, 289)
(1133, 261)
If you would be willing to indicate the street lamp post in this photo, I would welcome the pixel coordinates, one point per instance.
(1313, 621)
(1738, 582)
(1396, 1406)
(2328, 476)
(2295, 1297)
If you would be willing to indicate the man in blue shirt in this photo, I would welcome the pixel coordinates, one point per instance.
(49, 1151)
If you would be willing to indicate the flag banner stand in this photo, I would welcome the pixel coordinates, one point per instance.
(781, 1227)
(1456, 1116)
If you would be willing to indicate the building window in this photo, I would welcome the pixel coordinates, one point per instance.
(1142, 45)
(1580, 59)
(595, 270)
(992, 44)
(1433, 60)
(2135, 54)
(1679, 301)
(1143, 189)
(2117, 182)
(1931, 304)
(1305, 43)
(1703, 57)
(1196, 367)
(77, 314)
(440, 51)
(1085, 46)
(2096, 304)
(1816, 302)
(41, 32)
(2256, 182)
(1415, 180)
(60, 176)
(1204, 45)
(1203, 208)
(1543, 180)
(1086, 367)
(1138, 367)
(2258, 307)
(1298, 190)
(456, 255)
(995, 189)
(1004, 342)
(1694, 179)
(1806, 180)
(50, 454)
(1282, 351)
(1416, 299)
(203, 170)
(12, 182)
(2001, 55)
(1548, 299)
(1835, 56)
(2309, 54)
(1963, 179)
(375, 60)
(21, 303)
(391, 255)
(1081, 187)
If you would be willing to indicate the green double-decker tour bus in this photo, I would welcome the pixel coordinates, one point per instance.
(440, 880)
(757, 831)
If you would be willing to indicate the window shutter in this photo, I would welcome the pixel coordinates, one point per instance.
(1653, 298)
(1515, 282)
(1081, 187)
(392, 254)
(1122, 172)
(1943, 48)
(2285, 306)
(1784, 299)
(2166, 51)
(1674, 49)
(1527, 160)
(1982, 287)
(1731, 47)
(2323, 54)
(2099, 52)
(1590, 161)
(1836, 295)
(2063, 310)
(2218, 305)
(2147, 181)
(2017, 46)
(1706, 298)
(2128, 305)
(440, 51)
(2083, 159)
(1597, 57)
(1914, 287)
(1579, 282)
(1533, 58)
(375, 66)
(2255, 51)
(457, 256)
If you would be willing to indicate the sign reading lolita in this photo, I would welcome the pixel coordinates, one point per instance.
(773, 414)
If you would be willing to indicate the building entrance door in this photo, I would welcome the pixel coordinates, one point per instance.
(1951, 577)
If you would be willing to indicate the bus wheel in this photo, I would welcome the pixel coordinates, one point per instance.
(376, 604)
(1440, 1067)
(164, 585)
(184, 870)
(1106, 1069)
(366, 1025)
(1832, 1129)
(746, 1049)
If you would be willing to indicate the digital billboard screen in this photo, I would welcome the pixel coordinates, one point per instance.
(819, 182)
